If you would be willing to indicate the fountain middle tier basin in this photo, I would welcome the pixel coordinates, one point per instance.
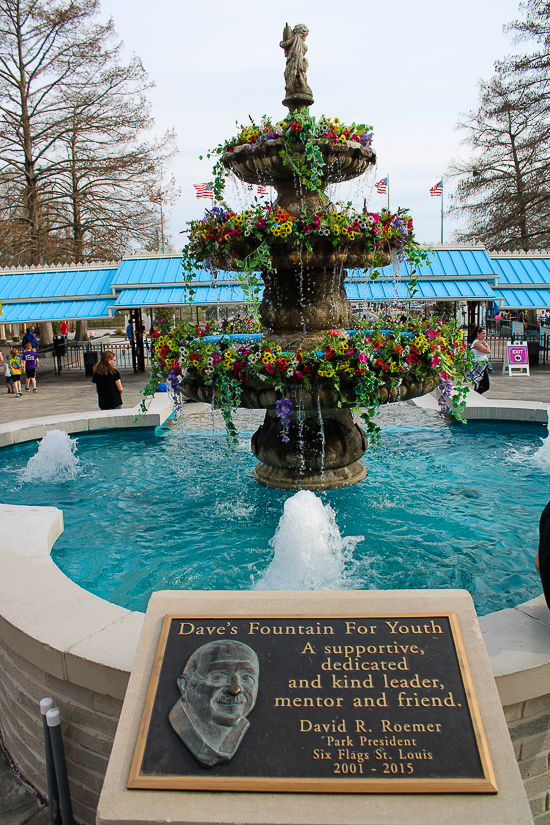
(293, 257)
(322, 445)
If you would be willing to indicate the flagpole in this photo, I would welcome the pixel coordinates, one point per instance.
(388, 191)
(442, 190)
(161, 225)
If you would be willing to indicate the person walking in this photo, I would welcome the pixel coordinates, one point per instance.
(30, 337)
(107, 382)
(479, 373)
(30, 359)
(8, 377)
(15, 365)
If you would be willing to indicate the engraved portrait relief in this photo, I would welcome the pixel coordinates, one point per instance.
(218, 686)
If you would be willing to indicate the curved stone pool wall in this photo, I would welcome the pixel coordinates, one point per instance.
(59, 640)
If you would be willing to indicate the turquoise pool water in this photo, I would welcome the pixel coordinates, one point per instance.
(153, 509)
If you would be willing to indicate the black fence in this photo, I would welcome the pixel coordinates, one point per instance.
(538, 344)
(82, 355)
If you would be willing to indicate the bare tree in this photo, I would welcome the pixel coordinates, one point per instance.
(74, 167)
(503, 188)
(42, 45)
(110, 169)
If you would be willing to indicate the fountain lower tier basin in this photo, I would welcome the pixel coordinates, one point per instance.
(321, 447)
(320, 394)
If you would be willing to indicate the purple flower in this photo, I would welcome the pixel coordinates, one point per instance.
(283, 410)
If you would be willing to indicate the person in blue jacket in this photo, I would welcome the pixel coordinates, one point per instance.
(30, 338)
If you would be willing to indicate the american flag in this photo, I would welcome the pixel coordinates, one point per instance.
(204, 190)
(262, 190)
(156, 197)
(437, 190)
(382, 186)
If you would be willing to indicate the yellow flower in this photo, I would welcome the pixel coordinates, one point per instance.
(238, 220)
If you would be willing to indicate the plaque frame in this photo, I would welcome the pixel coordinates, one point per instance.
(253, 784)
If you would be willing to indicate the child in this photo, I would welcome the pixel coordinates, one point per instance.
(9, 379)
(31, 362)
(14, 363)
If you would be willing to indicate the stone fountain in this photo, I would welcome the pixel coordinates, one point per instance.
(304, 294)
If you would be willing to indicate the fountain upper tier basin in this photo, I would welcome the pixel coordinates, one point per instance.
(266, 165)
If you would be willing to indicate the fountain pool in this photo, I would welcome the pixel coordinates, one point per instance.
(153, 509)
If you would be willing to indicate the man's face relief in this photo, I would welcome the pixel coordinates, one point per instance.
(223, 687)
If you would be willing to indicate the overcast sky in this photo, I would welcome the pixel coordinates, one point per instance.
(406, 68)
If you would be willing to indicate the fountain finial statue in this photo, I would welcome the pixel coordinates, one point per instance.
(298, 93)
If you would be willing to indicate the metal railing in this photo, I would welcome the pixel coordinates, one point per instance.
(537, 342)
(70, 355)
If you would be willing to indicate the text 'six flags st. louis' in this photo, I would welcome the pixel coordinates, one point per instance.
(204, 190)
(437, 190)
(382, 186)
(156, 197)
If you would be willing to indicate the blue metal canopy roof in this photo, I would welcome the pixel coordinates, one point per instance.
(524, 298)
(442, 290)
(54, 311)
(523, 270)
(177, 296)
(144, 271)
(56, 284)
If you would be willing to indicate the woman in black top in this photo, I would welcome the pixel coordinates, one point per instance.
(107, 383)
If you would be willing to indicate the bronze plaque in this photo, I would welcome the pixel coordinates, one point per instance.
(352, 704)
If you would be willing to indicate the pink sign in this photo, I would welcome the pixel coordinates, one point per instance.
(518, 355)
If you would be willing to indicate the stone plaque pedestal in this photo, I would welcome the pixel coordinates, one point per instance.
(341, 708)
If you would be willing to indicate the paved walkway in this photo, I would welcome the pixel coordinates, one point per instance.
(70, 392)
(19, 805)
(73, 392)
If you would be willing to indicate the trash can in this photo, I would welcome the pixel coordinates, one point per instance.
(533, 350)
(59, 345)
(90, 360)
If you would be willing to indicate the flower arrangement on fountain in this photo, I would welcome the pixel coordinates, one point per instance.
(225, 236)
(360, 365)
(299, 136)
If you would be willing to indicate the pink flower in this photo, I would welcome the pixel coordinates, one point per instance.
(435, 361)
(270, 368)
(362, 358)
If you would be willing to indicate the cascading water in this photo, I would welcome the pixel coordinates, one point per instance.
(310, 553)
(55, 461)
